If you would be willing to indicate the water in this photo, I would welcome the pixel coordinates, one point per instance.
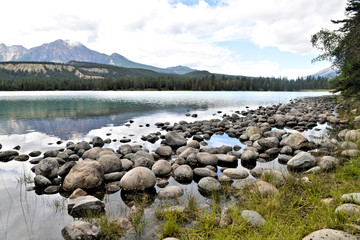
(38, 120)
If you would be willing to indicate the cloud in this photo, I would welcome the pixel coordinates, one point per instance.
(167, 33)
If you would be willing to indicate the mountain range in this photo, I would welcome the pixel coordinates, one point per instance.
(329, 72)
(64, 51)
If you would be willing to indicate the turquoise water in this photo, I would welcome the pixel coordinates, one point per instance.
(38, 120)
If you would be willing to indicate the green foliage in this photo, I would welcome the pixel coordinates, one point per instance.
(342, 48)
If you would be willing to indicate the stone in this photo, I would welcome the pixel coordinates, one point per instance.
(52, 189)
(41, 181)
(6, 156)
(139, 178)
(224, 149)
(34, 153)
(92, 153)
(226, 159)
(51, 153)
(351, 198)
(82, 206)
(286, 150)
(283, 158)
(249, 155)
(111, 163)
(329, 234)
(114, 176)
(36, 160)
(349, 145)
(98, 142)
(352, 135)
(126, 164)
(205, 158)
(187, 152)
(175, 140)
(204, 172)
(183, 173)
(81, 230)
(225, 218)
(87, 174)
(236, 173)
(348, 209)
(350, 153)
(48, 167)
(193, 144)
(269, 142)
(209, 184)
(124, 149)
(255, 137)
(83, 145)
(123, 223)
(273, 176)
(265, 189)
(301, 161)
(65, 169)
(161, 168)
(342, 133)
(21, 158)
(327, 163)
(144, 162)
(253, 218)
(253, 130)
(171, 192)
(296, 141)
(73, 157)
(244, 183)
(162, 183)
(77, 193)
(142, 153)
(315, 170)
(164, 151)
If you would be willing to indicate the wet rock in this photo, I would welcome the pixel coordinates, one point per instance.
(224, 149)
(204, 172)
(329, 234)
(6, 156)
(36, 160)
(83, 145)
(301, 161)
(51, 153)
(142, 153)
(327, 163)
(352, 135)
(81, 230)
(282, 158)
(111, 163)
(34, 153)
(86, 174)
(84, 205)
(269, 142)
(253, 130)
(48, 167)
(139, 178)
(209, 184)
(21, 158)
(164, 151)
(144, 162)
(184, 154)
(124, 149)
(92, 153)
(52, 189)
(296, 141)
(161, 168)
(249, 155)
(351, 198)
(77, 193)
(226, 159)
(183, 173)
(171, 192)
(125, 140)
(65, 169)
(175, 140)
(73, 157)
(41, 181)
(114, 176)
(17, 147)
(206, 158)
(235, 173)
(253, 218)
(193, 144)
(162, 183)
(126, 164)
(98, 142)
(255, 137)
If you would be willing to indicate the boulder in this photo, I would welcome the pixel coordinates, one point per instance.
(226, 159)
(296, 141)
(253, 218)
(83, 145)
(189, 150)
(51, 153)
(205, 158)
(6, 156)
(144, 162)
(65, 169)
(183, 173)
(253, 130)
(86, 174)
(349, 145)
(48, 167)
(81, 230)
(209, 184)
(139, 178)
(269, 142)
(263, 188)
(98, 142)
(352, 135)
(84, 205)
(77, 193)
(34, 153)
(111, 163)
(351, 198)
(164, 151)
(273, 176)
(140, 154)
(301, 161)
(236, 173)
(175, 140)
(204, 172)
(249, 155)
(21, 158)
(348, 209)
(350, 153)
(161, 168)
(193, 144)
(124, 149)
(114, 176)
(329, 234)
(327, 163)
(283, 158)
(41, 181)
(126, 164)
(171, 192)
(92, 153)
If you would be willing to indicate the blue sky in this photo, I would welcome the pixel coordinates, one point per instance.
(240, 37)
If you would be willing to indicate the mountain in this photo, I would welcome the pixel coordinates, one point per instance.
(61, 51)
(327, 72)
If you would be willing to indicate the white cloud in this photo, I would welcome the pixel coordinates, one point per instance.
(167, 33)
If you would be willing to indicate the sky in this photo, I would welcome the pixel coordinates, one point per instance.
(239, 37)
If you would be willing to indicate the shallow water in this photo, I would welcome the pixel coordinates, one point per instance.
(37, 120)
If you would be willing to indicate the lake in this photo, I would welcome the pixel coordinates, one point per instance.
(47, 120)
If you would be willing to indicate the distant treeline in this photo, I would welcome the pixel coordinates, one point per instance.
(207, 83)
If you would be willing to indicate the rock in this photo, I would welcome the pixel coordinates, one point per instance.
(224, 149)
(98, 142)
(350, 153)
(249, 155)
(142, 153)
(83, 145)
(329, 234)
(273, 176)
(164, 151)
(36, 160)
(184, 154)
(139, 178)
(86, 174)
(253, 130)
(162, 183)
(351, 198)
(21, 158)
(348, 209)
(352, 135)
(235, 173)
(77, 193)
(286, 150)
(65, 169)
(226, 159)
(253, 218)
(206, 158)
(51, 153)
(84, 205)
(34, 153)
(41, 181)
(111, 163)
(126, 164)
(315, 170)
(52, 189)
(193, 144)
(225, 218)
(296, 141)
(349, 145)
(123, 223)
(175, 140)
(282, 158)
(73, 157)
(264, 188)
(183, 173)
(124, 149)
(302, 160)
(81, 230)
(92, 153)
(161, 168)
(327, 163)
(171, 192)
(243, 183)
(267, 143)
(204, 172)
(144, 162)
(209, 184)
(114, 176)
(255, 137)
(6, 156)
(48, 167)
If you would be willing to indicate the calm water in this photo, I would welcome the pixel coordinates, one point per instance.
(37, 120)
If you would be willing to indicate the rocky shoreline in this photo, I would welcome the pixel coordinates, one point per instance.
(85, 171)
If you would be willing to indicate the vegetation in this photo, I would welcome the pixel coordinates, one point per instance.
(342, 48)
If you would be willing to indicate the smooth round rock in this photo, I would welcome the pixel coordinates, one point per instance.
(329, 234)
(209, 184)
(175, 140)
(161, 168)
(235, 173)
(253, 218)
(81, 230)
(164, 151)
(171, 192)
(206, 158)
(204, 172)
(48, 167)
(302, 160)
(139, 178)
(111, 163)
(92, 153)
(183, 173)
